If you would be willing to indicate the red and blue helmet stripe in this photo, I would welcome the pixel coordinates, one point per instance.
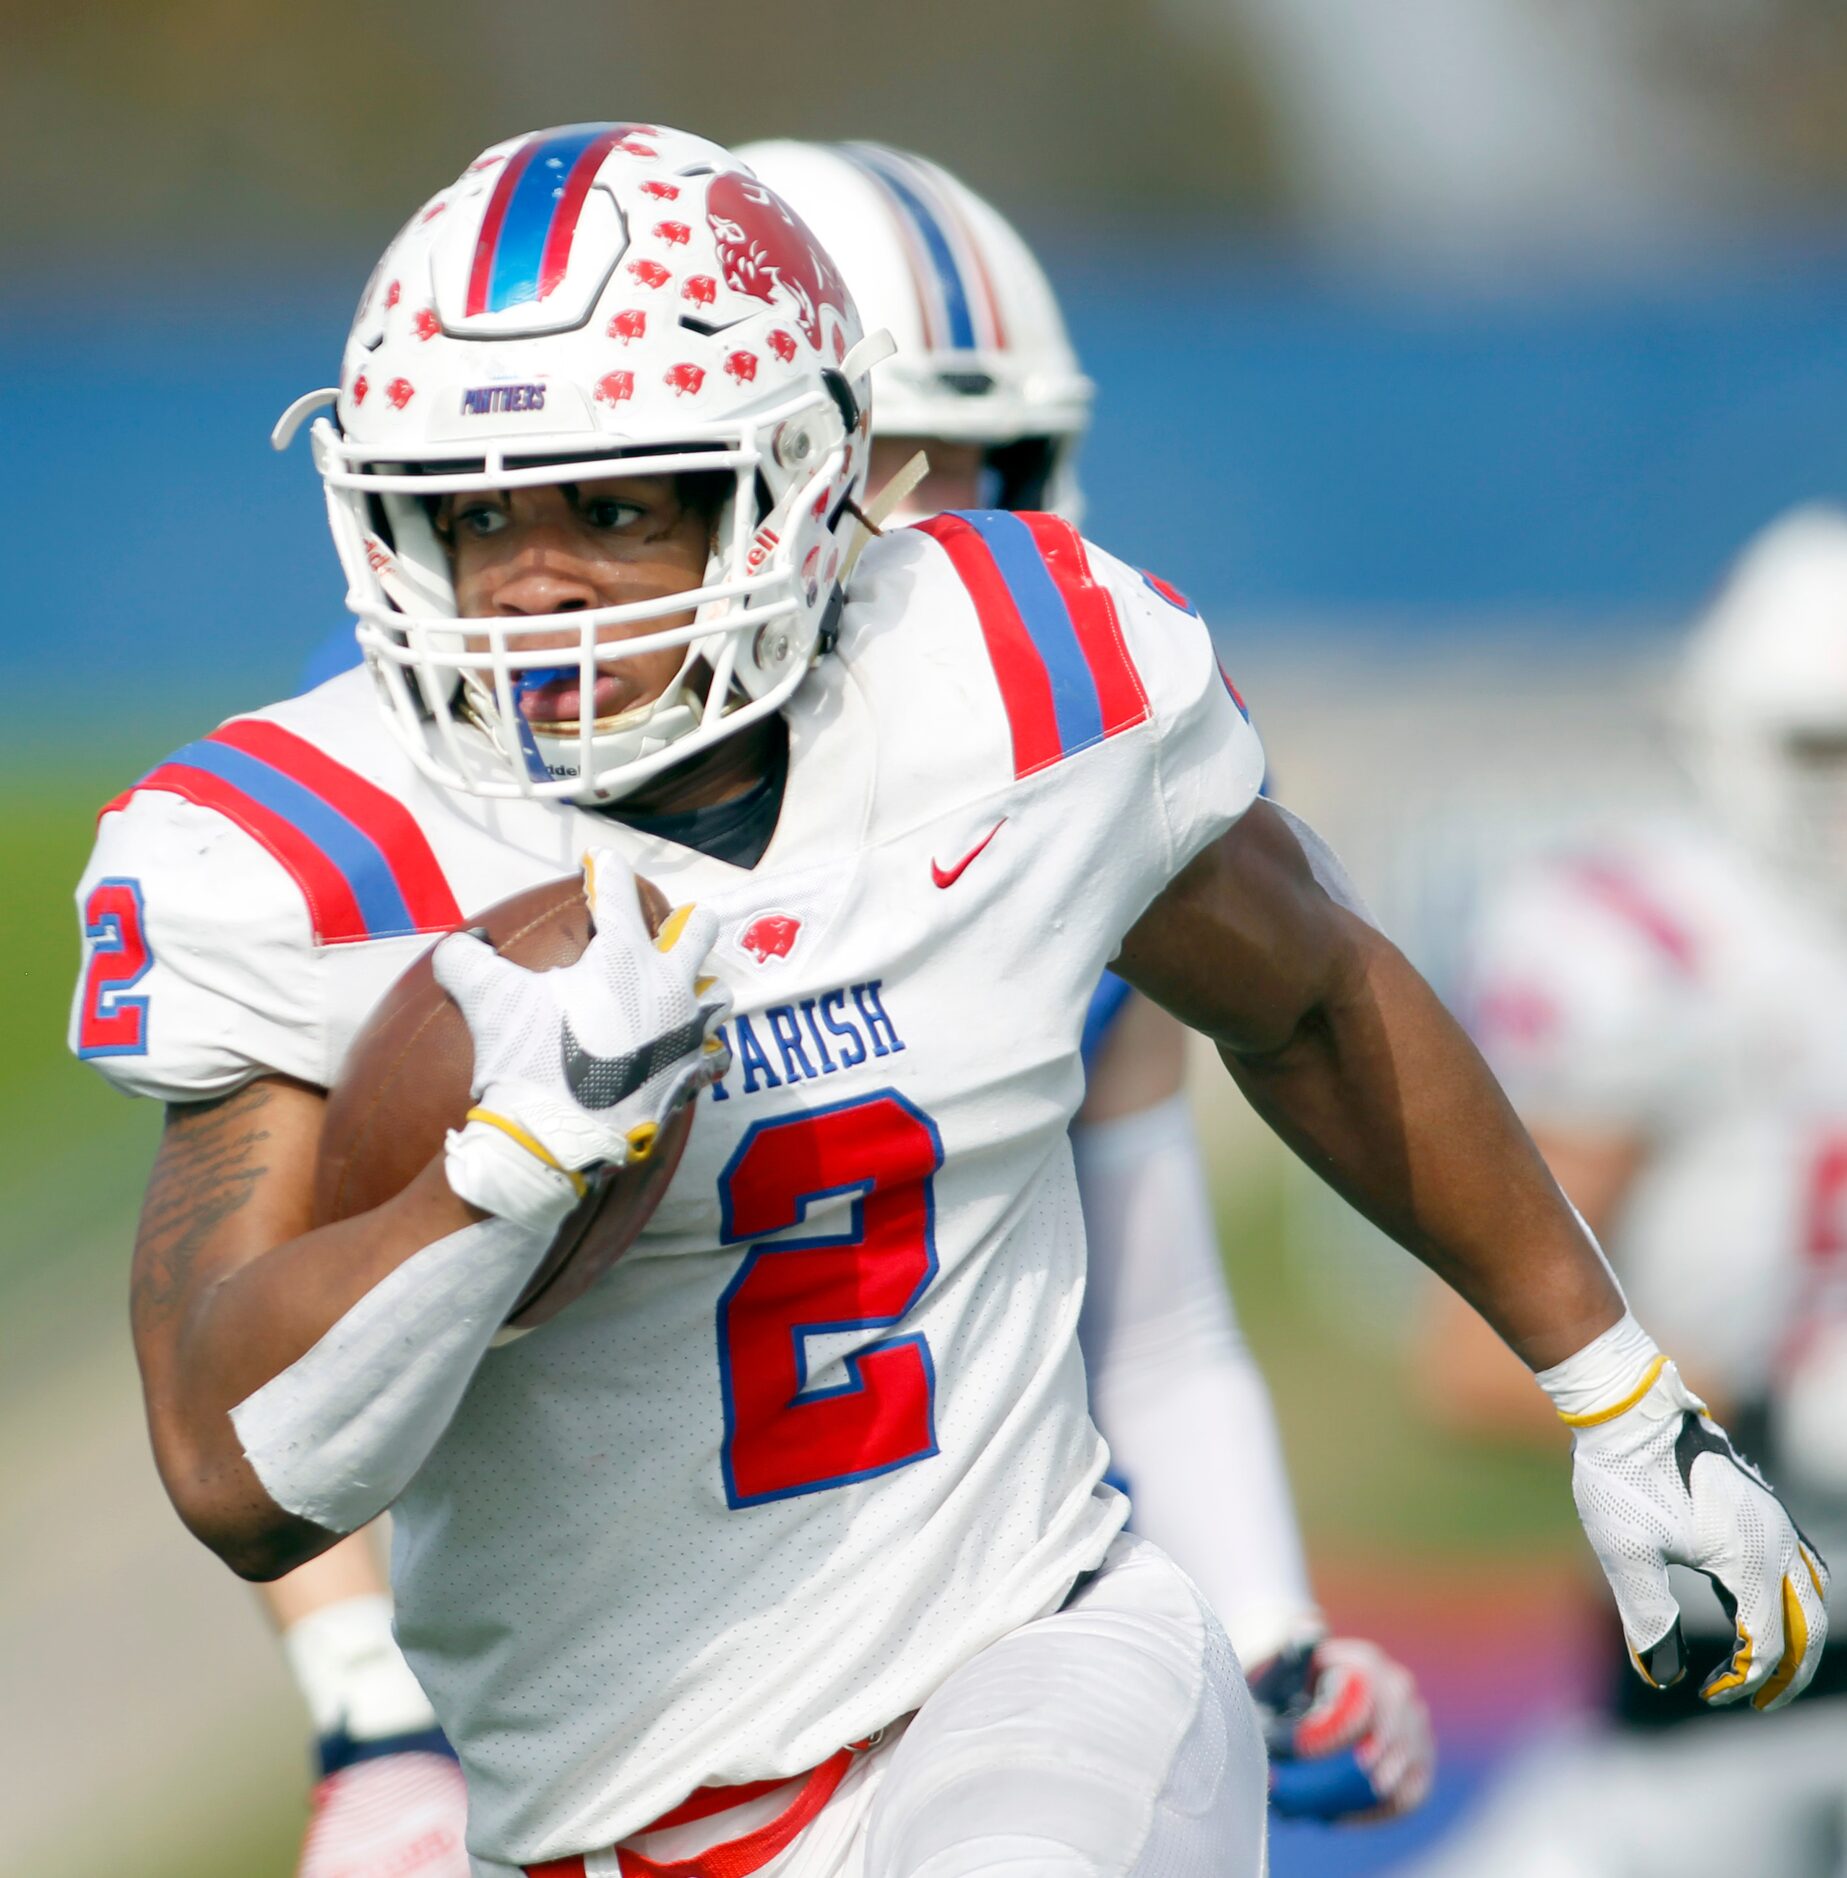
(1053, 638)
(949, 295)
(524, 246)
(365, 868)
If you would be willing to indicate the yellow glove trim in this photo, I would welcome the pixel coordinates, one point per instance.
(1795, 1648)
(533, 1146)
(1740, 1669)
(1809, 1566)
(671, 928)
(1618, 1408)
(1641, 1668)
(641, 1140)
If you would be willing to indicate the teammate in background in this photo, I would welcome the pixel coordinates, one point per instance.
(985, 383)
(1668, 1009)
(868, 1586)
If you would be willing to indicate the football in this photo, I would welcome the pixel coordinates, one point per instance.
(406, 1080)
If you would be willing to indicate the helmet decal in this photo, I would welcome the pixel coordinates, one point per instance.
(766, 251)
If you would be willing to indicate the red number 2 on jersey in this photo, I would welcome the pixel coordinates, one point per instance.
(109, 1024)
(781, 1437)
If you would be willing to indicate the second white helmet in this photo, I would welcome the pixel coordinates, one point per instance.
(1762, 698)
(982, 352)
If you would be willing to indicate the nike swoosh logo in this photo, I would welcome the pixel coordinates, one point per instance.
(600, 1082)
(1695, 1439)
(948, 876)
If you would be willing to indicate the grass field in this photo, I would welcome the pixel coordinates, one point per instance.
(202, 1731)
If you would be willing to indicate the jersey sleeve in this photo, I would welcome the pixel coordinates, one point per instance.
(1585, 990)
(200, 969)
(1208, 760)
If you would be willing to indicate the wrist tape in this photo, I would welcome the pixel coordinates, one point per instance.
(339, 1434)
(352, 1674)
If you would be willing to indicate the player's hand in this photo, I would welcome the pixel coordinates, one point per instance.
(1658, 1482)
(392, 1816)
(579, 1068)
(1348, 1733)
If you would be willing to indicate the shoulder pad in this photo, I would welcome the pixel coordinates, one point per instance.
(1051, 629)
(364, 867)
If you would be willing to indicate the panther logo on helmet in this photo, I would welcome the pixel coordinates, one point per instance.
(766, 251)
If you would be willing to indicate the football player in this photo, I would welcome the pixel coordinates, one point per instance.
(1667, 1003)
(790, 1539)
(985, 383)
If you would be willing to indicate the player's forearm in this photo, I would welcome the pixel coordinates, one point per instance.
(258, 1319)
(230, 1289)
(271, 1475)
(1382, 1094)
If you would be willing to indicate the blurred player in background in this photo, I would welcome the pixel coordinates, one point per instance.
(1668, 1008)
(986, 384)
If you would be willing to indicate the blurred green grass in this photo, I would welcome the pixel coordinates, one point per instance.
(75, 1157)
(75, 1150)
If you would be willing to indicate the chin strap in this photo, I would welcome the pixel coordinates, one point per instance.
(870, 520)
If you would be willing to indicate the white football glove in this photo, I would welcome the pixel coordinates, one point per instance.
(579, 1068)
(1658, 1482)
(1348, 1732)
(398, 1816)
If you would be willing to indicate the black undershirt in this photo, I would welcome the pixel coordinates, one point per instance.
(737, 831)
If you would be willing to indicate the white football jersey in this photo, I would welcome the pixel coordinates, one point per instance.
(822, 1434)
(1666, 987)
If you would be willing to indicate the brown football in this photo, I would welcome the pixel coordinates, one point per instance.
(406, 1080)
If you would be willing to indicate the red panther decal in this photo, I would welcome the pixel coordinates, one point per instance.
(766, 250)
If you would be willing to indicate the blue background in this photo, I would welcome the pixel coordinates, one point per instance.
(1316, 449)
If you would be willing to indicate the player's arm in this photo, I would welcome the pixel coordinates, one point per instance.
(230, 1287)
(297, 1379)
(1352, 1059)
(1469, 1380)
(389, 1796)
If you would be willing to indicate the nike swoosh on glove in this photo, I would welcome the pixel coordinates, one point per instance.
(1348, 1732)
(579, 1068)
(1658, 1482)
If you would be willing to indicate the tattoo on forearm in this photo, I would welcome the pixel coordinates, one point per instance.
(210, 1161)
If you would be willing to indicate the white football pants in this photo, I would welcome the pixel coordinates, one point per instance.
(1114, 1738)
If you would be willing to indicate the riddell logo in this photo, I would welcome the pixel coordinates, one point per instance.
(761, 548)
(770, 936)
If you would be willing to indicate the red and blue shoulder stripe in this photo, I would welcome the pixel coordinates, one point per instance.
(1051, 630)
(365, 868)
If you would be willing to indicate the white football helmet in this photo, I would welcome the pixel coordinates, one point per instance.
(982, 354)
(1762, 698)
(593, 301)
